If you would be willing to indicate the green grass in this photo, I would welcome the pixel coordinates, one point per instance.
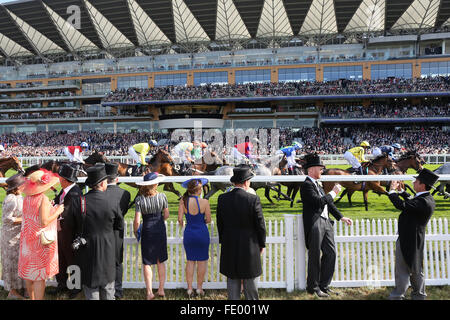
(379, 206)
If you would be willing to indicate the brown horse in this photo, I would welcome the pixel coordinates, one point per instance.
(410, 159)
(9, 163)
(95, 157)
(292, 187)
(374, 167)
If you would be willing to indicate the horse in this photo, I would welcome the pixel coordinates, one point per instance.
(444, 186)
(410, 159)
(9, 163)
(292, 187)
(95, 157)
(374, 167)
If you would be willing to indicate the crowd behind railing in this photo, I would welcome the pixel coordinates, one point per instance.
(385, 111)
(320, 140)
(337, 87)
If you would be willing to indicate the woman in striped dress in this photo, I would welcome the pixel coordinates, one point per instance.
(38, 262)
(153, 207)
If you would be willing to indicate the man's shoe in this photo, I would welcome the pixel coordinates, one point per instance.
(330, 292)
(319, 293)
(73, 294)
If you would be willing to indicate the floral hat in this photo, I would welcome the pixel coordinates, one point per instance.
(40, 181)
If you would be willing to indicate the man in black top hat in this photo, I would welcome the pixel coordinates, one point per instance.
(70, 193)
(97, 258)
(242, 235)
(122, 198)
(416, 213)
(318, 227)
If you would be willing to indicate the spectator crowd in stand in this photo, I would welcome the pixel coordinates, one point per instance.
(337, 87)
(321, 140)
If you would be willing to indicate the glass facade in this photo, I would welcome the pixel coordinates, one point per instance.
(296, 74)
(132, 82)
(253, 123)
(433, 69)
(96, 86)
(342, 72)
(298, 123)
(202, 78)
(71, 127)
(397, 70)
(174, 79)
(127, 127)
(245, 76)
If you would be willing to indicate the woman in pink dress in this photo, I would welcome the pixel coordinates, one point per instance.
(38, 262)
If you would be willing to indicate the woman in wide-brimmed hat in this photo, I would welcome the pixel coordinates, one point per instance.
(37, 261)
(154, 208)
(10, 235)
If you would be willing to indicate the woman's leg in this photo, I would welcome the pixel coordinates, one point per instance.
(190, 273)
(39, 289)
(148, 275)
(162, 277)
(29, 285)
(201, 271)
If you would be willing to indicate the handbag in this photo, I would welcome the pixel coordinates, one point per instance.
(47, 237)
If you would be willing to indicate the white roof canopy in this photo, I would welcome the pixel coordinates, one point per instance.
(274, 21)
(109, 35)
(370, 16)
(187, 28)
(421, 14)
(148, 33)
(11, 48)
(41, 43)
(320, 19)
(229, 23)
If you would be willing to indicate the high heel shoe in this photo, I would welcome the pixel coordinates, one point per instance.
(200, 292)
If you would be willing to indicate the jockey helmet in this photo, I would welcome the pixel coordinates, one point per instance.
(396, 146)
(297, 145)
(84, 145)
(365, 144)
(153, 143)
(204, 145)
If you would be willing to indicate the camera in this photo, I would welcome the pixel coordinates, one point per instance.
(78, 242)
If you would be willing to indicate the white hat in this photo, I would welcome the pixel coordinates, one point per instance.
(151, 178)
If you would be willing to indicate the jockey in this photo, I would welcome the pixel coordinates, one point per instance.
(140, 150)
(75, 153)
(197, 151)
(242, 150)
(387, 149)
(182, 153)
(290, 153)
(355, 156)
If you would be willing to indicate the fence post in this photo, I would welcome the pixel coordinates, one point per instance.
(289, 259)
(300, 255)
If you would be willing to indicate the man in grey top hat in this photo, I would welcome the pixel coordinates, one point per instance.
(416, 212)
(242, 235)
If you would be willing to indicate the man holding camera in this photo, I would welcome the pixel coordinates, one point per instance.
(95, 246)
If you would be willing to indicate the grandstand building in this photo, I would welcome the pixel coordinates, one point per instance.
(60, 59)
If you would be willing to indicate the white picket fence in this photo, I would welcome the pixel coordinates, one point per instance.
(365, 256)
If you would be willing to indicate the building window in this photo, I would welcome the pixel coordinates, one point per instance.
(342, 72)
(396, 70)
(174, 79)
(96, 86)
(434, 69)
(296, 74)
(246, 76)
(132, 82)
(202, 78)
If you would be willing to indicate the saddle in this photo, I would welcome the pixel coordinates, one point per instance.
(135, 171)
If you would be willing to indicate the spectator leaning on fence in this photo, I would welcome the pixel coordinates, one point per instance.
(96, 223)
(10, 236)
(242, 235)
(196, 236)
(122, 197)
(154, 208)
(416, 213)
(318, 228)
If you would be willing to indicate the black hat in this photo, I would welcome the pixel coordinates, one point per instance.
(112, 169)
(242, 173)
(31, 169)
(68, 172)
(427, 177)
(15, 181)
(96, 174)
(312, 160)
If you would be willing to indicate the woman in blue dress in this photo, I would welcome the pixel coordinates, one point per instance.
(153, 206)
(196, 236)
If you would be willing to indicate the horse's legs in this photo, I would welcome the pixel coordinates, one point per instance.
(349, 197)
(171, 188)
(366, 204)
(267, 193)
(211, 192)
(294, 194)
(341, 196)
